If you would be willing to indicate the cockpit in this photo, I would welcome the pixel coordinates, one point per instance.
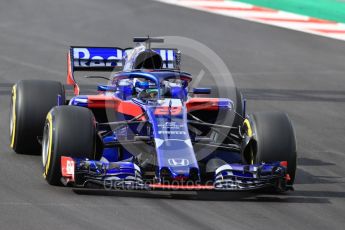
(144, 77)
(146, 89)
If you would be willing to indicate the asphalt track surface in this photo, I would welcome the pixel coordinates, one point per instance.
(278, 69)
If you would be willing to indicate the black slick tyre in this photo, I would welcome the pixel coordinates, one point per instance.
(30, 102)
(68, 131)
(274, 140)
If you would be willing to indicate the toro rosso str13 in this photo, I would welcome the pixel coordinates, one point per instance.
(147, 129)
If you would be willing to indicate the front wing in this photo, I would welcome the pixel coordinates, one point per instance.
(85, 173)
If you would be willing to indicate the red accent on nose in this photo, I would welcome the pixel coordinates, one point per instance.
(180, 178)
(165, 110)
(284, 163)
(287, 177)
(67, 168)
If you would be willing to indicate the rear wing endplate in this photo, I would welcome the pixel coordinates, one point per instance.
(107, 59)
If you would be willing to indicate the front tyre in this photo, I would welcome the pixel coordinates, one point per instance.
(272, 139)
(68, 131)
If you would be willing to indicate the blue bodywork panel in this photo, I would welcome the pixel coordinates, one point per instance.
(172, 140)
(162, 96)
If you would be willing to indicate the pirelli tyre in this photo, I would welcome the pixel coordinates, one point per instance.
(272, 138)
(30, 102)
(68, 131)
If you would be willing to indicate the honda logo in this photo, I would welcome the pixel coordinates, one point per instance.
(178, 162)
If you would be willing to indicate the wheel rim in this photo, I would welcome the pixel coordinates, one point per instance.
(11, 119)
(45, 144)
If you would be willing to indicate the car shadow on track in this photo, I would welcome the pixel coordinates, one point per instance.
(294, 95)
(312, 162)
(289, 197)
(305, 177)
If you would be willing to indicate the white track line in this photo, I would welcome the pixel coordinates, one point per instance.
(266, 16)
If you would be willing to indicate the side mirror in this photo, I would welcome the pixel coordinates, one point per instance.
(201, 90)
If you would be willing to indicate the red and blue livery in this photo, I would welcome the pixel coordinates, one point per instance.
(147, 129)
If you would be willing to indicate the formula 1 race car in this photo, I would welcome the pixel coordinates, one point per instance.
(146, 129)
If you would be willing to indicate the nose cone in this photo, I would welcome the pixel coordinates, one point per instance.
(177, 160)
(179, 174)
(175, 152)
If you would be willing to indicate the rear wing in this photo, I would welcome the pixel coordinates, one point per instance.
(108, 59)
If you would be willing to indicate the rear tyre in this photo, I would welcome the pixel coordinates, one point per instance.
(31, 101)
(69, 131)
(274, 140)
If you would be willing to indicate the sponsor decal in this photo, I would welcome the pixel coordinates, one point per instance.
(67, 167)
(97, 57)
(178, 162)
(112, 57)
(167, 110)
(171, 125)
(172, 132)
